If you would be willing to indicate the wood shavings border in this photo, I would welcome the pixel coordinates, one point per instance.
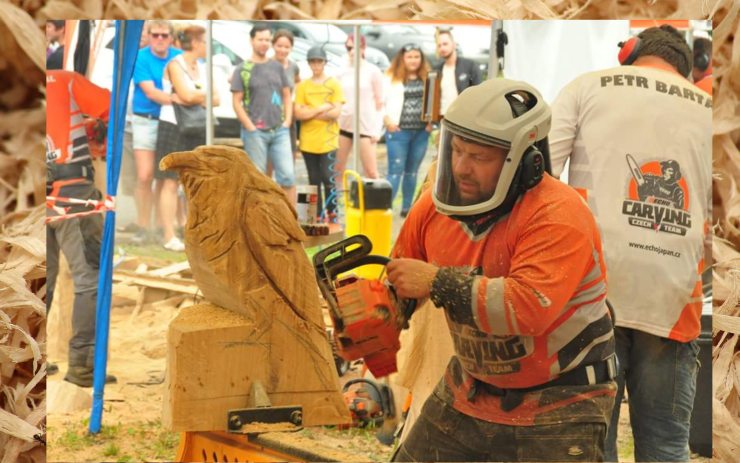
(21, 175)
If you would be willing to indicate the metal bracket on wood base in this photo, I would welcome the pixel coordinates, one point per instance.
(262, 417)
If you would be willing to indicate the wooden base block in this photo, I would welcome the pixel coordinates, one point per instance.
(215, 354)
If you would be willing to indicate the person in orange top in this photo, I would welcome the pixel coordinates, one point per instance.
(70, 174)
(513, 257)
(702, 71)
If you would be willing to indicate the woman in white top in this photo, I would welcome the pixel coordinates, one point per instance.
(407, 135)
(185, 77)
(371, 118)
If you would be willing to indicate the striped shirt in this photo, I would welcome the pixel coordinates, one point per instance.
(69, 95)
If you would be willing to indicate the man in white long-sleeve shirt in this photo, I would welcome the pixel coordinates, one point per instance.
(639, 141)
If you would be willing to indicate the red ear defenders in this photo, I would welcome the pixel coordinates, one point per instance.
(629, 50)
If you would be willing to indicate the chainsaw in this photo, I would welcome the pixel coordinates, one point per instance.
(370, 403)
(367, 315)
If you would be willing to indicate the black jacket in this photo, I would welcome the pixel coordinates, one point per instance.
(467, 73)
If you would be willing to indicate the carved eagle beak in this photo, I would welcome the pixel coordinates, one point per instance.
(178, 159)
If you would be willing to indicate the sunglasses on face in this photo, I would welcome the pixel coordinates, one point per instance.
(160, 35)
(410, 47)
(349, 47)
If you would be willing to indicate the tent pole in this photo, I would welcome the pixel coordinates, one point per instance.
(209, 83)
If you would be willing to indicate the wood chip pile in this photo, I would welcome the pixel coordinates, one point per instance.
(22, 259)
(726, 210)
(22, 239)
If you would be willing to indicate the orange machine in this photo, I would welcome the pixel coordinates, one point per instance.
(267, 447)
(367, 315)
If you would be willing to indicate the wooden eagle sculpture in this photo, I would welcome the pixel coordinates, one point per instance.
(245, 248)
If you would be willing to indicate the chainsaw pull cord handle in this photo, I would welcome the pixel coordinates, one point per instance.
(360, 193)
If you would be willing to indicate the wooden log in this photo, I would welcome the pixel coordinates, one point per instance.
(215, 355)
(179, 285)
(171, 269)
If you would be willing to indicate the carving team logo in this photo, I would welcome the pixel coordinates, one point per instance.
(658, 197)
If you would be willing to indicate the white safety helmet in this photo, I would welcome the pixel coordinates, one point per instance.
(498, 112)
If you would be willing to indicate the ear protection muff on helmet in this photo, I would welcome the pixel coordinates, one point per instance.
(628, 51)
(532, 164)
(532, 168)
(701, 61)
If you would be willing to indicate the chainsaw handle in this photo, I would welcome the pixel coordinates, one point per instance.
(358, 381)
(346, 260)
(358, 262)
(323, 264)
(385, 404)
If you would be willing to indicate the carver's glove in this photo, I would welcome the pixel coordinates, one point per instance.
(452, 289)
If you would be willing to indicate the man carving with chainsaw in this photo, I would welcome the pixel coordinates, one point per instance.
(514, 259)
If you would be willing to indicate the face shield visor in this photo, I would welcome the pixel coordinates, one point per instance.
(474, 171)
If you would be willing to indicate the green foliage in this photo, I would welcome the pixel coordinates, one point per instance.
(111, 450)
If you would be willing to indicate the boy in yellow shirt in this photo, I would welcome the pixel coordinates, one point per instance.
(318, 102)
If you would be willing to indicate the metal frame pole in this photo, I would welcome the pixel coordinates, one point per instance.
(209, 83)
(356, 116)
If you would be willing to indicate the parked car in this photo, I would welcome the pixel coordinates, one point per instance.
(389, 38)
(472, 41)
(332, 37)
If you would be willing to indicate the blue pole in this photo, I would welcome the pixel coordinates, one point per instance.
(125, 49)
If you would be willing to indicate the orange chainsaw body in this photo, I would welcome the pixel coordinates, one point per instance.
(369, 328)
(367, 315)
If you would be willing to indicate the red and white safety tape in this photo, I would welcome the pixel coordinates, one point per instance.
(98, 207)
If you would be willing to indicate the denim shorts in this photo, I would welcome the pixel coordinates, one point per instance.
(145, 132)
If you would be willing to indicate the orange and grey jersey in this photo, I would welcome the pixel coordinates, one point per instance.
(525, 298)
(639, 141)
(69, 95)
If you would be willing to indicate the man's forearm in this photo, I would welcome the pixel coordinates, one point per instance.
(334, 112)
(287, 106)
(159, 97)
(452, 289)
(241, 113)
(244, 119)
(288, 114)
